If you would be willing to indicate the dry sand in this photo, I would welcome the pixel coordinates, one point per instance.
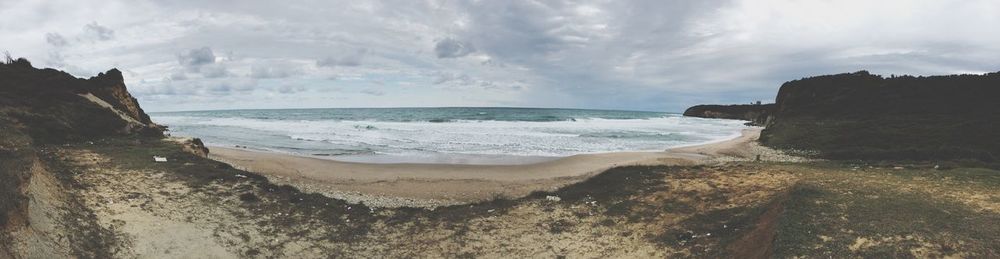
(429, 185)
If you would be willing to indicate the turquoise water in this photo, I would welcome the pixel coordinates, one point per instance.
(428, 134)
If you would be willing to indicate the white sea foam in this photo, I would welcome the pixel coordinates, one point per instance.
(521, 138)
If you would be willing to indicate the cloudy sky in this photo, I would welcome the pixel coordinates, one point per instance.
(640, 55)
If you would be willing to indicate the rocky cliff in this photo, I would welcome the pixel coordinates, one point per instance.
(757, 114)
(860, 115)
(53, 106)
(110, 86)
(47, 107)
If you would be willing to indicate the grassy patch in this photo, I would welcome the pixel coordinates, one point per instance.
(916, 138)
(839, 212)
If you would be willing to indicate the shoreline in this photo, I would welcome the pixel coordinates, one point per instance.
(432, 185)
(460, 159)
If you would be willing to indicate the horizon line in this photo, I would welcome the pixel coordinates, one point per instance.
(414, 107)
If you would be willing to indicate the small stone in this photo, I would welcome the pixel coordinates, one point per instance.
(685, 237)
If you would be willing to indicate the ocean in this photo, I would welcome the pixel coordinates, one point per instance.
(446, 135)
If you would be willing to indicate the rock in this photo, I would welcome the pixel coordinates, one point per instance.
(757, 114)
(192, 145)
(685, 237)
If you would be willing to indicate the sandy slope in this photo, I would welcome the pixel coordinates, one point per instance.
(194, 208)
(394, 185)
(121, 204)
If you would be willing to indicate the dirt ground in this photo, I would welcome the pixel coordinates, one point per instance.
(108, 199)
(891, 210)
(195, 207)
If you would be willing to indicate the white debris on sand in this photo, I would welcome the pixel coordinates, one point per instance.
(553, 198)
(159, 159)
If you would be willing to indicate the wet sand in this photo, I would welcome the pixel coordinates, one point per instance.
(428, 185)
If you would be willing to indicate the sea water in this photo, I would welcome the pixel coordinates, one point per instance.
(446, 135)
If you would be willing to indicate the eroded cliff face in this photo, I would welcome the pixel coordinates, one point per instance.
(110, 87)
(864, 116)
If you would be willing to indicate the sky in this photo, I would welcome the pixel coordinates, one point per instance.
(662, 55)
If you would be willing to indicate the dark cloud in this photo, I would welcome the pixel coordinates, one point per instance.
(203, 61)
(98, 32)
(197, 57)
(55, 39)
(451, 48)
(522, 29)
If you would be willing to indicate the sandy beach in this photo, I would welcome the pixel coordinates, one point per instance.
(428, 185)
